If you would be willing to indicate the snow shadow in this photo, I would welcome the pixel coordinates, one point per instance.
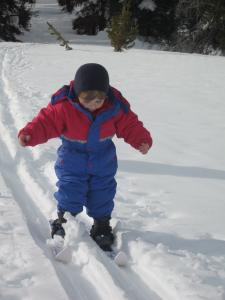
(173, 170)
(206, 246)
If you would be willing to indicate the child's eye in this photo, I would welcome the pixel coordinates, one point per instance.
(98, 101)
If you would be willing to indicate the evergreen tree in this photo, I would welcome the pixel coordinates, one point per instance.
(201, 25)
(155, 18)
(122, 30)
(14, 16)
(113, 8)
(91, 16)
(90, 19)
(68, 5)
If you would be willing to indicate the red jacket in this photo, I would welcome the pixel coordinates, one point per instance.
(65, 117)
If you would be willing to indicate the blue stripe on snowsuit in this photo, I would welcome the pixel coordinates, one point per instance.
(86, 171)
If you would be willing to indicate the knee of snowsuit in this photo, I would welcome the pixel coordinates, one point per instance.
(86, 178)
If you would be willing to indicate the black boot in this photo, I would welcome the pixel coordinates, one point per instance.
(56, 225)
(101, 232)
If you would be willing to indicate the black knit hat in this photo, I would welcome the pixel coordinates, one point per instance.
(90, 77)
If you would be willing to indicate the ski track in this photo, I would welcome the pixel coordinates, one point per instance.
(76, 279)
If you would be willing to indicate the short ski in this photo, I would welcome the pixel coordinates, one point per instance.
(63, 253)
(59, 250)
(119, 257)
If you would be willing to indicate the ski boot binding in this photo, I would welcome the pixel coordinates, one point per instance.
(56, 226)
(101, 233)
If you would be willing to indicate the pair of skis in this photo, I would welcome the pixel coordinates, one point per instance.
(63, 253)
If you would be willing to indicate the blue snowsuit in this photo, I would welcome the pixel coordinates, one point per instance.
(87, 161)
(86, 170)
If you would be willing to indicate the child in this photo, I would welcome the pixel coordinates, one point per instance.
(86, 115)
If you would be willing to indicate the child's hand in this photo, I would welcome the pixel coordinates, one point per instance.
(23, 139)
(144, 148)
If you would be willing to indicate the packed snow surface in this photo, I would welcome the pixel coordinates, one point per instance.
(169, 214)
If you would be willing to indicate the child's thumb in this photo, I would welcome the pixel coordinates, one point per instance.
(23, 139)
(27, 138)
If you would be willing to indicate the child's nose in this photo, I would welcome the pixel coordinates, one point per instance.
(95, 105)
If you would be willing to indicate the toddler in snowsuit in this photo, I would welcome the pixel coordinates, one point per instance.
(86, 115)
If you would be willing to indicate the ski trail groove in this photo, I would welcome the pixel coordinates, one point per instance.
(29, 166)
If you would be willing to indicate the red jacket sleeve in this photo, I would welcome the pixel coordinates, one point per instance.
(132, 130)
(49, 123)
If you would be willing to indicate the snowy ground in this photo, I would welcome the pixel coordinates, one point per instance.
(170, 204)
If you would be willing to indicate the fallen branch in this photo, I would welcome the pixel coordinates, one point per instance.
(59, 37)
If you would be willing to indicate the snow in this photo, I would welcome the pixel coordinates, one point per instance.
(148, 5)
(169, 207)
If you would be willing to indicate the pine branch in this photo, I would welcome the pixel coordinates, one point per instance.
(59, 37)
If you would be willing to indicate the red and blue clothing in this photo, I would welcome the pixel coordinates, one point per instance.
(87, 161)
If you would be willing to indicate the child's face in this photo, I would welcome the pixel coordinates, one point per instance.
(93, 104)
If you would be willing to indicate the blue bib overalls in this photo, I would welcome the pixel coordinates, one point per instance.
(86, 170)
